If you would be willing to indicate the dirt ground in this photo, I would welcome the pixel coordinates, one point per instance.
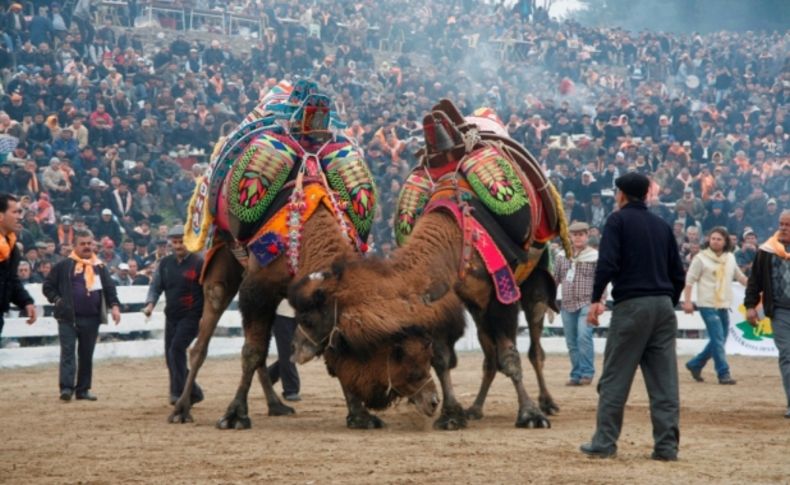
(728, 434)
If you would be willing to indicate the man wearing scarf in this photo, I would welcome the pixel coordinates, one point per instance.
(11, 289)
(576, 277)
(713, 270)
(769, 282)
(82, 290)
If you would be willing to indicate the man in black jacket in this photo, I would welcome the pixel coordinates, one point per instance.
(639, 256)
(178, 276)
(82, 291)
(769, 282)
(11, 289)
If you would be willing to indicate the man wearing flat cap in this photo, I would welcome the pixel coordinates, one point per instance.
(638, 254)
(178, 276)
(576, 275)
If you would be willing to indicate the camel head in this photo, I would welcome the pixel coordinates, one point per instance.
(397, 369)
(316, 312)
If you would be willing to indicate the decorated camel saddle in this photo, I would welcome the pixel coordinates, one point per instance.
(267, 178)
(504, 204)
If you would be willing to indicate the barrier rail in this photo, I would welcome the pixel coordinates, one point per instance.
(138, 336)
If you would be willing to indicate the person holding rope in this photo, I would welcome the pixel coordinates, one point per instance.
(639, 256)
(769, 282)
(713, 271)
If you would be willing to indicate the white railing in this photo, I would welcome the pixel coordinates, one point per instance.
(137, 336)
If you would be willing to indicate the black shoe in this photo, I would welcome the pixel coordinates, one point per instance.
(696, 374)
(65, 395)
(663, 457)
(727, 381)
(598, 452)
(86, 396)
(293, 397)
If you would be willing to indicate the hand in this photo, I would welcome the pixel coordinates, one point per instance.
(751, 316)
(551, 315)
(116, 314)
(688, 307)
(596, 310)
(149, 308)
(31, 314)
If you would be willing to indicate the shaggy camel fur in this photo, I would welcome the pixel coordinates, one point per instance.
(366, 299)
(401, 368)
(397, 368)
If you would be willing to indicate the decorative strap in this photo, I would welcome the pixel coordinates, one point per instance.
(475, 235)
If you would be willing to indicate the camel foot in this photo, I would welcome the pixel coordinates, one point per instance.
(280, 409)
(532, 418)
(452, 418)
(235, 417)
(180, 414)
(474, 413)
(548, 406)
(363, 421)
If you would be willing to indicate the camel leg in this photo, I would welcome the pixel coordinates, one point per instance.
(444, 359)
(534, 302)
(502, 322)
(257, 315)
(273, 402)
(358, 415)
(220, 285)
(489, 373)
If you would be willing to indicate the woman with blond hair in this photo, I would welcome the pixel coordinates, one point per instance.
(713, 271)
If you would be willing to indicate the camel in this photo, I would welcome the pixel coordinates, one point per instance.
(263, 240)
(423, 275)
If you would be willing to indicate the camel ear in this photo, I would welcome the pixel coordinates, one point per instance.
(435, 292)
(397, 353)
(319, 298)
(338, 268)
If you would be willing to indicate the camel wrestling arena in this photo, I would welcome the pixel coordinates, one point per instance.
(729, 434)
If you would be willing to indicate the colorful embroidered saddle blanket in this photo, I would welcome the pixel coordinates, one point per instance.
(287, 114)
(495, 202)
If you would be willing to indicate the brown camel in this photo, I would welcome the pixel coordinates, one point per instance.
(413, 288)
(481, 170)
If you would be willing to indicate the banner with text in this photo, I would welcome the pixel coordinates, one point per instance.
(744, 339)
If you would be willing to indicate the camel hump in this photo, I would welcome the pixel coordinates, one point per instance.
(254, 180)
(348, 175)
(414, 196)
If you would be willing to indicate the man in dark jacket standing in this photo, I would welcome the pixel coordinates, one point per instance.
(769, 282)
(178, 276)
(11, 289)
(639, 256)
(82, 291)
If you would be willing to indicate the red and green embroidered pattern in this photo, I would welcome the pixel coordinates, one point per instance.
(413, 198)
(495, 181)
(348, 175)
(257, 177)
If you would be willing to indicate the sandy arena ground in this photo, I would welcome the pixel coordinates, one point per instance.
(728, 434)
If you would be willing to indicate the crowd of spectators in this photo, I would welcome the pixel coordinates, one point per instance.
(108, 119)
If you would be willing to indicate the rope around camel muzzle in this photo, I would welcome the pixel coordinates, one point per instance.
(318, 345)
(390, 387)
